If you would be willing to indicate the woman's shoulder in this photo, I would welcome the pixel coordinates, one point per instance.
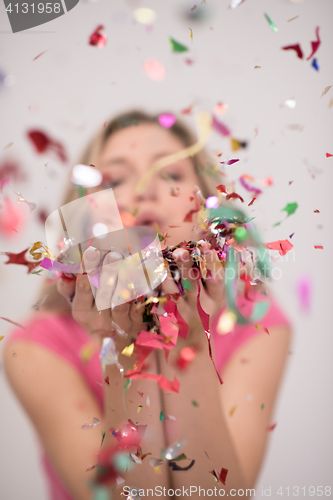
(58, 332)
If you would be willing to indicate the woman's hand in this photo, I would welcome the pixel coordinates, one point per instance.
(78, 293)
(212, 296)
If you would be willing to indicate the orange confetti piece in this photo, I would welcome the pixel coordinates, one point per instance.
(232, 411)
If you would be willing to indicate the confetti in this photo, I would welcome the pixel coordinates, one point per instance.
(193, 8)
(13, 323)
(128, 350)
(176, 46)
(20, 259)
(220, 108)
(167, 120)
(232, 411)
(154, 70)
(257, 67)
(144, 15)
(32, 206)
(326, 89)
(235, 3)
(2, 337)
(292, 19)
(163, 382)
(257, 327)
(319, 247)
(12, 218)
(271, 23)
(283, 246)
(43, 143)
(248, 187)
(39, 55)
(195, 403)
(315, 45)
(291, 103)
(220, 127)
(314, 64)
(161, 416)
(87, 352)
(328, 155)
(251, 202)
(38, 305)
(290, 208)
(4, 183)
(304, 292)
(98, 39)
(296, 48)
(271, 427)
(191, 35)
(107, 380)
(262, 406)
(230, 162)
(236, 145)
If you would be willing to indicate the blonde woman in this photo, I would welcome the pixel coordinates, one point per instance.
(60, 391)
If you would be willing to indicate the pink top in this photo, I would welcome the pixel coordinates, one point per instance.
(64, 336)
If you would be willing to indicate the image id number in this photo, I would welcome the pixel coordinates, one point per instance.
(39, 8)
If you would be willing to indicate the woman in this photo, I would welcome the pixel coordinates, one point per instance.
(225, 426)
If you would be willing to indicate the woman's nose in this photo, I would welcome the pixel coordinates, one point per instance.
(148, 191)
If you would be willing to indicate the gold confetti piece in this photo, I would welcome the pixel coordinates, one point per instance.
(326, 89)
(232, 411)
(1, 337)
(32, 206)
(128, 350)
(191, 35)
(87, 352)
(38, 255)
(257, 327)
(331, 103)
(157, 470)
(139, 408)
(257, 67)
(204, 123)
(292, 19)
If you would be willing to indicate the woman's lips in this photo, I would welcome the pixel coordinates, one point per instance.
(148, 218)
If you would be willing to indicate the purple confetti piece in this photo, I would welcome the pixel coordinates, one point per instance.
(230, 162)
(248, 187)
(304, 292)
(220, 127)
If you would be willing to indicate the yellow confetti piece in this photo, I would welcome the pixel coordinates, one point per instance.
(257, 327)
(144, 15)
(191, 35)
(128, 350)
(331, 103)
(43, 250)
(87, 352)
(139, 408)
(226, 322)
(204, 123)
(1, 337)
(235, 145)
(157, 470)
(232, 411)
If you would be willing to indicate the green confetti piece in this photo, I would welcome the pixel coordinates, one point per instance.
(177, 47)
(290, 208)
(271, 23)
(262, 406)
(101, 493)
(241, 234)
(186, 284)
(126, 385)
(195, 403)
(180, 457)
(103, 436)
(37, 272)
(81, 191)
(161, 416)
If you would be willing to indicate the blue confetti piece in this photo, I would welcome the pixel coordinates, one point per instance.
(315, 64)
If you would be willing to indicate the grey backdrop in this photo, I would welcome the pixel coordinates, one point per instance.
(73, 88)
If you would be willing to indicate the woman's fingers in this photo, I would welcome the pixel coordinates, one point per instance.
(214, 296)
(83, 299)
(188, 274)
(66, 289)
(107, 281)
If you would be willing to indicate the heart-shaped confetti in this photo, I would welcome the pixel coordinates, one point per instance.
(167, 120)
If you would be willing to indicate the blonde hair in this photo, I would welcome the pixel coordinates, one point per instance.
(203, 165)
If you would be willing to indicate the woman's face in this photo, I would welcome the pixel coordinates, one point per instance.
(167, 196)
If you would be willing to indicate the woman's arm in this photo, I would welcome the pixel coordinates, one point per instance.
(58, 402)
(252, 378)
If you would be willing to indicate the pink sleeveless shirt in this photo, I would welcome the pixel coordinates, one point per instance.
(66, 338)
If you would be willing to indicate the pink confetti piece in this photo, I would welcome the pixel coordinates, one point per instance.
(163, 382)
(220, 108)
(154, 69)
(319, 247)
(267, 181)
(296, 48)
(39, 55)
(167, 120)
(4, 183)
(315, 45)
(193, 8)
(13, 323)
(220, 127)
(98, 39)
(53, 265)
(304, 292)
(230, 162)
(282, 246)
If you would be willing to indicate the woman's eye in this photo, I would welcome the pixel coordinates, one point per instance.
(171, 176)
(112, 183)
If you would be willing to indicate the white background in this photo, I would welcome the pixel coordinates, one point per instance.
(73, 88)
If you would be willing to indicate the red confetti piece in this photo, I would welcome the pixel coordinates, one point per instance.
(296, 48)
(328, 155)
(251, 202)
(267, 181)
(316, 212)
(107, 380)
(223, 475)
(320, 247)
(163, 382)
(271, 427)
(42, 143)
(39, 55)
(315, 44)
(283, 246)
(266, 330)
(234, 195)
(98, 39)
(222, 189)
(20, 259)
